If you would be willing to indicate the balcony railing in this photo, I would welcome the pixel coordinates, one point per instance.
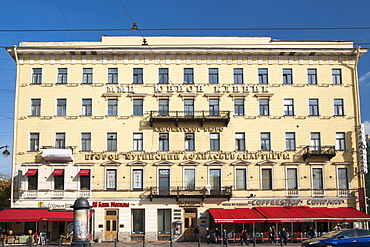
(318, 192)
(179, 191)
(292, 192)
(58, 193)
(319, 151)
(84, 193)
(344, 192)
(43, 194)
(189, 116)
(30, 194)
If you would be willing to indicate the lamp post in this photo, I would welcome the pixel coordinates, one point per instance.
(6, 153)
(80, 227)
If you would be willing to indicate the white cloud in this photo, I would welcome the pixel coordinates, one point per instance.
(367, 127)
(365, 79)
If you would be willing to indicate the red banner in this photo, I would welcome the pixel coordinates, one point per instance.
(361, 197)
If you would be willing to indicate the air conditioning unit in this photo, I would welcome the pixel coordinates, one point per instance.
(163, 136)
(189, 136)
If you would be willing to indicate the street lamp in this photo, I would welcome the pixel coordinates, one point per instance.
(6, 153)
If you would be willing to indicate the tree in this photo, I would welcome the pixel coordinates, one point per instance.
(5, 189)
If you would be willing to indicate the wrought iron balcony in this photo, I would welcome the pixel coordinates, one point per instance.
(189, 116)
(319, 151)
(189, 192)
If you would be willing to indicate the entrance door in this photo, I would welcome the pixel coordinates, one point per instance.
(190, 218)
(111, 224)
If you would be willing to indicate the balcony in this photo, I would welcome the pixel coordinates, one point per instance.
(189, 192)
(318, 151)
(189, 116)
(47, 194)
(318, 192)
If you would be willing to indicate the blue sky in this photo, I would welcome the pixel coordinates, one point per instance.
(176, 14)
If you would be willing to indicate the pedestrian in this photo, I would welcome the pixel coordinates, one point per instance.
(270, 235)
(241, 237)
(196, 231)
(283, 236)
(245, 237)
(273, 240)
(311, 233)
(36, 238)
(224, 237)
(208, 235)
(218, 236)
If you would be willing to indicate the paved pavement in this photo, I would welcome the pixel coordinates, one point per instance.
(164, 244)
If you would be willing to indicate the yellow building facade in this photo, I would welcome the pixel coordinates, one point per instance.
(155, 132)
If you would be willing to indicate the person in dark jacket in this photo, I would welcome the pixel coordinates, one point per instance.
(283, 236)
(208, 235)
(196, 231)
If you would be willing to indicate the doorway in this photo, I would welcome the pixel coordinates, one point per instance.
(190, 222)
(111, 224)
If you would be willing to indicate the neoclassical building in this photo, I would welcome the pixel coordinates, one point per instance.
(158, 132)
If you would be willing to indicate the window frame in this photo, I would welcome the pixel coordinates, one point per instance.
(290, 142)
(270, 180)
(112, 107)
(107, 177)
(163, 76)
(87, 75)
(135, 184)
(189, 143)
(163, 107)
(340, 141)
(339, 178)
(317, 183)
(137, 142)
(336, 75)
(61, 107)
(137, 76)
(34, 142)
(264, 107)
(288, 107)
(287, 76)
(163, 141)
(60, 140)
(238, 76)
(240, 141)
(85, 141)
(213, 76)
(312, 76)
(313, 108)
(112, 76)
(263, 76)
(188, 76)
(112, 141)
(295, 179)
(86, 107)
(239, 107)
(338, 107)
(192, 182)
(214, 141)
(35, 107)
(36, 75)
(241, 181)
(214, 106)
(315, 141)
(62, 76)
(265, 141)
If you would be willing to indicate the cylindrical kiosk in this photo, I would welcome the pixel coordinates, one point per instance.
(81, 209)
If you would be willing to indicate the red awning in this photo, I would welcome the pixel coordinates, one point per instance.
(58, 216)
(342, 215)
(31, 172)
(238, 215)
(58, 172)
(22, 215)
(289, 214)
(84, 172)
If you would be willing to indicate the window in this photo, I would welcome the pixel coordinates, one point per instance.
(288, 107)
(239, 107)
(163, 76)
(61, 107)
(189, 142)
(164, 221)
(188, 76)
(85, 182)
(87, 76)
(189, 178)
(214, 107)
(86, 141)
(266, 178)
(163, 107)
(262, 76)
(292, 178)
(86, 107)
(240, 141)
(111, 141)
(265, 141)
(264, 107)
(317, 179)
(138, 142)
(113, 75)
(62, 76)
(138, 221)
(215, 179)
(138, 107)
(313, 107)
(112, 107)
(36, 76)
(60, 140)
(213, 76)
(138, 76)
(163, 142)
(337, 76)
(290, 141)
(238, 76)
(111, 179)
(315, 141)
(34, 142)
(340, 143)
(189, 107)
(35, 107)
(343, 179)
(312, 76)
(32, 181)
(241, 179)
(59, 182)
(287, 76)
(338, 107)
(215, 141)
(137, 179)
(164, 181)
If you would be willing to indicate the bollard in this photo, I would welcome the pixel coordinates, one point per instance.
(144, 242)
(115, 242)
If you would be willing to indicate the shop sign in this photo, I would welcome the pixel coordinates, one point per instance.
(111, 204)
(192, 89)
(362, 152)
(286, 202)
(190, 204)
(52, 205)
(361, 197)
(190, 156)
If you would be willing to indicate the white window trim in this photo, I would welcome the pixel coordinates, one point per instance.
(246, 176)
(209, 178)
(286, 176)
(183, 175)
(272, 176)
(105, 176)
(132, 176)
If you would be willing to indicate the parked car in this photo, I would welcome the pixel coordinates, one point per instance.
(341, 238)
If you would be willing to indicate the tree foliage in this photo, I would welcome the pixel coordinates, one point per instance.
(5, 188)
